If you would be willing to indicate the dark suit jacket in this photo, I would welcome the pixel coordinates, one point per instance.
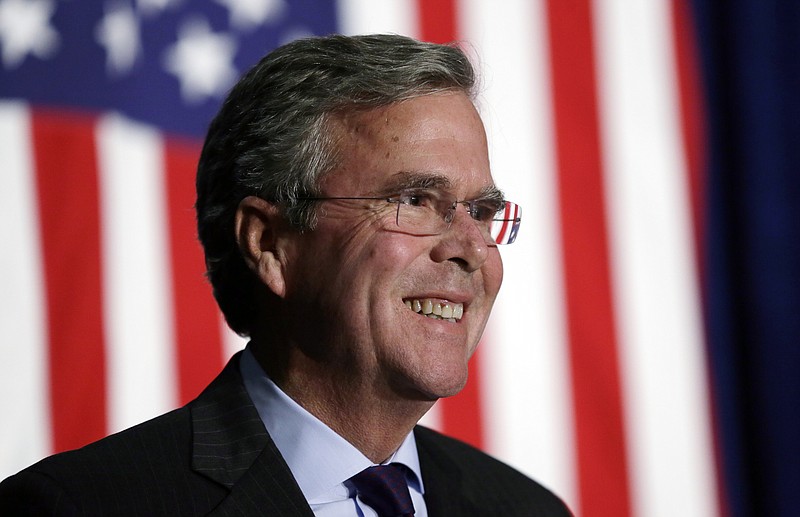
(214, 457)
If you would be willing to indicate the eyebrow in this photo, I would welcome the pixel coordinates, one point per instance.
(427, 180)
(415, 179)
(491, 192)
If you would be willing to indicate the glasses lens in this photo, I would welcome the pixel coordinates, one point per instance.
(422, 211)
(430, 212)
(506, 223)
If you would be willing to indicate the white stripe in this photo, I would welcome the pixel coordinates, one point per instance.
(137, 293)
(653, 270)
(24, 398)
(433, 418)
(231, 341)
(529, 422)
(384, 16)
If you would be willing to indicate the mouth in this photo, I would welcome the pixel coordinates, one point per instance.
(436, 309)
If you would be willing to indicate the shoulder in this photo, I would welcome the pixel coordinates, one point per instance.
(158, 441)
(495, 487)
(469, 461)
(126, 473)
(181, 463)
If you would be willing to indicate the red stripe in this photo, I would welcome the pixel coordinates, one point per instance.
(67, 184)
(461, 415)
(437, 20)
(602, 466)
(691, 116)
(508, 222)
(501, 235)
(197, 333)
(693, 130)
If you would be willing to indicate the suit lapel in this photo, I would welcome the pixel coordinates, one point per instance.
(266, 488)
(232, 447)
(444, 493)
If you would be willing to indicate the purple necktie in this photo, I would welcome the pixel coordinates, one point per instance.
(384, 488)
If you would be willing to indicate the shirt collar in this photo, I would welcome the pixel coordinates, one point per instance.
(319, 459)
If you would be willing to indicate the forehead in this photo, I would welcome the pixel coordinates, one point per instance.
(438, 136)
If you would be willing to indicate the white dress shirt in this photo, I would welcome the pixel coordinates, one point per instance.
(321, 461)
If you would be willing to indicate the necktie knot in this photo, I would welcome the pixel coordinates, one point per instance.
(384, 488)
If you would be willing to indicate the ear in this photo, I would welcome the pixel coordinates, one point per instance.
(260, 228)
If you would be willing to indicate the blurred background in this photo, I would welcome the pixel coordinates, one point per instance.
(644, 354)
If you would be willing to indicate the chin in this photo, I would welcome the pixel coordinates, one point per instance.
(434, 383)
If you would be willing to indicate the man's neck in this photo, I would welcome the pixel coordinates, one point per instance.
(366, 412)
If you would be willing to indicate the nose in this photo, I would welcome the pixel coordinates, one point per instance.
(463, 242)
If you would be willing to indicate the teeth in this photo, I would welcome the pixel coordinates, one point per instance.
(447, 311)
(431, 308)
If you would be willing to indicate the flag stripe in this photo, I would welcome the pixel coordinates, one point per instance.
(25, 433)
(138, 311)
(655, 284)
(231, 342)
(67, 187)
(694, 130)
(526, 391)
(690, 110)
(603, 476)
(371, 17)
(461, 416)
(438, 20)
(199, 342)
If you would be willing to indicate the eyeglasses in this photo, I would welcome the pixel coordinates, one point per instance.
(429, 211)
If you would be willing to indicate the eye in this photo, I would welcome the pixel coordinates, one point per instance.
(485, 210)
(418, 198)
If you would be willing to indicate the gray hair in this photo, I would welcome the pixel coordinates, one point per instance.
(271, 138)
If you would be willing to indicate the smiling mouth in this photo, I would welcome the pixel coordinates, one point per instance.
(435, 309)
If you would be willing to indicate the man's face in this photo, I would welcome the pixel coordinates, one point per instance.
(350, 280)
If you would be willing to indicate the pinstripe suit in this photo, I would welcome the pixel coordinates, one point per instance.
(214, 457)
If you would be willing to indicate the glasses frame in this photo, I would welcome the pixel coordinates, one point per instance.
(507, 235)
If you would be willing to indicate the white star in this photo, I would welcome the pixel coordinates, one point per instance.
(118, 32)
(154, 7)
(202, 61)
(248, 14)
(25, 29)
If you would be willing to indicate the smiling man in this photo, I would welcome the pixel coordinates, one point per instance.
(351, 229)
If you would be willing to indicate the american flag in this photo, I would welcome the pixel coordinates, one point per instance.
(593, 375)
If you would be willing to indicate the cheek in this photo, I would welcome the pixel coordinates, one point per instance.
(493, 273)
(366, 262)
(388, 267)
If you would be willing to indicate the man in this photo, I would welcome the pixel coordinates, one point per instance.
(350, 226)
